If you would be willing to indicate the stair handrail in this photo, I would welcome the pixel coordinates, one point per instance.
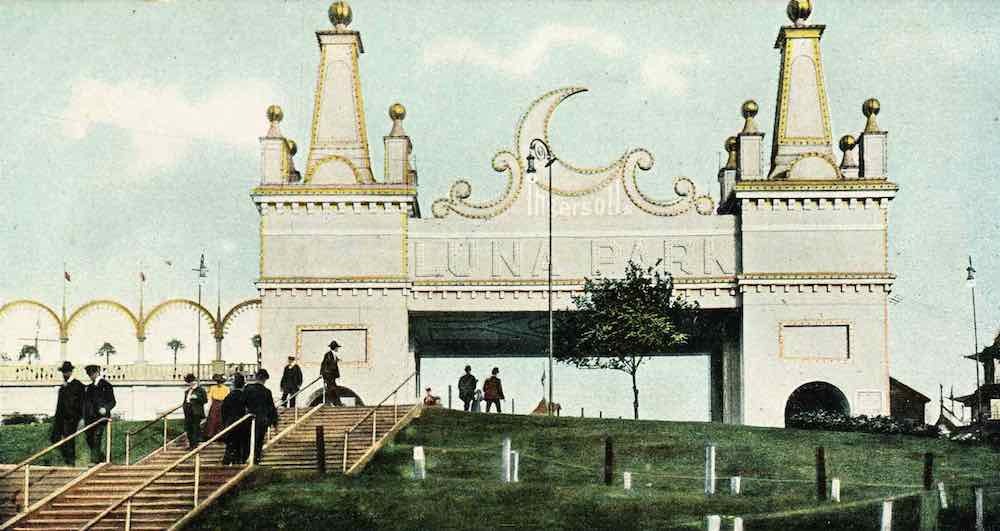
(395, 415)
(196, 453)
(295, 422)
(57, 444)
(26, 464)
(131, 433)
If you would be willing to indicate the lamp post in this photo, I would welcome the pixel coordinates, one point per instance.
(202, 271)
(971, 282)
(545, 153)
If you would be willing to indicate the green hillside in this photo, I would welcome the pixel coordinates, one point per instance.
(561, 484)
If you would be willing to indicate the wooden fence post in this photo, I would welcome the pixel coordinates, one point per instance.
(980, 520)
(713, 522)
(505, 460)
(928, 471)
(419, 463)
(320, 451)
(710, 469)
(515, 464)
(609, 461)
(734, 485)
(737, 523)
(886, 516)
(943, 495)
(820, 474)
(627, 478)
(449, 396)
(835, 490)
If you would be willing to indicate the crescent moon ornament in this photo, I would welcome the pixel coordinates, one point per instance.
(573, 181)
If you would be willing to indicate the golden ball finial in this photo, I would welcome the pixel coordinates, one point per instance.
(847, 143)
(798, 10)
(397, 111)
(340, 14)
(870, 107)
(275, 114)
(749, 109)
(730, 144)
(293, 148)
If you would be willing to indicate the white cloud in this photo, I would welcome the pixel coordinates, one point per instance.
(667, 70)
(525, 60)
(163, 121)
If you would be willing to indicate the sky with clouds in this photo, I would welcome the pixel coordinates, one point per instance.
(130, 128)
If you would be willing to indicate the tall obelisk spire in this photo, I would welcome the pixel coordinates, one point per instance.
(803, 143)
(338, 152)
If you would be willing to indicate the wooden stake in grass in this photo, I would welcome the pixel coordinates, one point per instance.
(320, 451)
(835, 490)
(515, 460)
(713, 522)
(419, 463)
(505, 461)
(886, 516)
(737, 523)
(980, 522)
(734, 485)
(820, 474)
(627, 479)
(928, 471)
(710, 469)
(609, 461)
(943, 495)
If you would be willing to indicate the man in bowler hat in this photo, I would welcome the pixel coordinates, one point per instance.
(194, 410)
(330, 371)
(98, 401)
(69, 411)
(260, 403)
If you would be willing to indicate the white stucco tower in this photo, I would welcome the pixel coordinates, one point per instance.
(333, 242)
(814, 249)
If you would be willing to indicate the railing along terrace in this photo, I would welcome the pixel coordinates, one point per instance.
(394, 395)
(130, 435)
(295, 422)
(196, 456)
(139, 372)
(70, 439)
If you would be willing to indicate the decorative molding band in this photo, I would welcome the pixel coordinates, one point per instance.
(811, 185)
(783, 202)
(291, 189)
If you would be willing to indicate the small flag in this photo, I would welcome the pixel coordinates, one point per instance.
(142, 276)
(543, 377)
(66, 276)
(169, 263)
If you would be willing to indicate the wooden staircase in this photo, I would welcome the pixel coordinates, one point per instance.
(169, 501)
(43, 482)
(297, 449)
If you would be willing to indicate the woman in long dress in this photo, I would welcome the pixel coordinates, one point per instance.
(217, 393)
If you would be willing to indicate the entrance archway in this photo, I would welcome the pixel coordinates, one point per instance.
(816, 397)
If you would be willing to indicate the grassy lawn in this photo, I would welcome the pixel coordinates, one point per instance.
(21, 441)
(561, 488)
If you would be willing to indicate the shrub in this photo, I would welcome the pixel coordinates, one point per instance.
(830, 421)
(20, 418)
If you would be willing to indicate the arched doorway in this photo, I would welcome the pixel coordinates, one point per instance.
(816, 397)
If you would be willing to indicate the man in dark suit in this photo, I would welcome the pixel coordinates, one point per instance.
(98, 401)
(260, 403)
(194, 410)
(329, 369)
(234, 407)
(291, 382)
(69, 411)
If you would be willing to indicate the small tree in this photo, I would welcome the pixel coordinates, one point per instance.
(255, 341)
(175, 345)
(28, 352)
(107, 350)
(619, 322)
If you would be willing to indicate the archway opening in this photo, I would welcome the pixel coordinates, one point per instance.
(815, 397)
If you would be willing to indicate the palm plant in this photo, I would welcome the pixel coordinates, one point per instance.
(28, 352)
(107, 350)
(175, 345)
(255, 341)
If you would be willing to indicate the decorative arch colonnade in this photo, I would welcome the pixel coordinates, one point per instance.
(219, 323)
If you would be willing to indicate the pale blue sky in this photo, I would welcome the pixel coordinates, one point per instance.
(130, 128)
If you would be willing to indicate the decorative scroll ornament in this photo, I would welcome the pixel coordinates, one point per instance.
(573, 181)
